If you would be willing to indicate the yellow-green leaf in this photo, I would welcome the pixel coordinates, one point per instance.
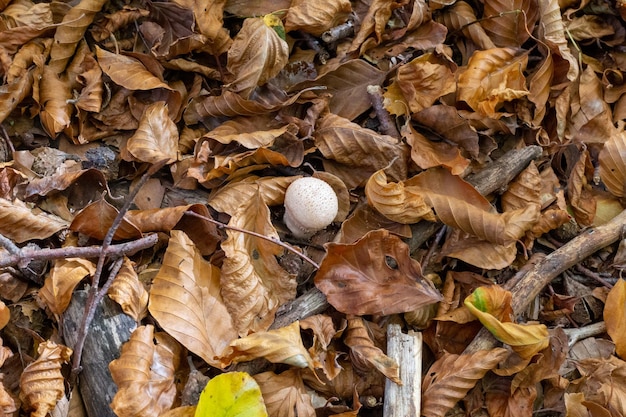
(233, 394)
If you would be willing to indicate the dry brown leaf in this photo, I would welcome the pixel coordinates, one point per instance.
(156, 138)
(365, 354)
(129, 292)
(604, 383)
(540, 84)
(59, 285)
(54, 97)
(87, 185)
(427, 154)
(460, 16)
(554, 32)
(478, 252)
(67, 35)
(375, 275)
(20, 224)
(397, 201)
(257, 54)
(491, 78)
(209, 18)
(373, 23)
(13, 92)
(251, 132)
(351, 145)
(145, 374)
(458, 204)
(316, 17)
(525, 189)
(253, 284)
(5, 316)
(96, 219)
(509, 23)
(283, 345)
(185, 299)
(345, 383)
(203, 233)
(323, 354)
(42, 384)
(451, 377)
(128, 72)
(228, 198)
(580, 197)
(615, 316)
(365, 218)
(613, 164)
(285, 393)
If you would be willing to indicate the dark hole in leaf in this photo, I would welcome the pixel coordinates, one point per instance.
(391, 262)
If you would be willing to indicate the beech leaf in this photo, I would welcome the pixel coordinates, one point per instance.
(615, 316)
(156, 138)
(64, 276)
(232, 394)
(285, 393)
(20, 223)
(375, 275)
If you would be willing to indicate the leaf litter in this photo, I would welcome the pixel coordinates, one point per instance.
(398, 105)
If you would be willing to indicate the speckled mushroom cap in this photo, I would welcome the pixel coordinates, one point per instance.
(310, 205)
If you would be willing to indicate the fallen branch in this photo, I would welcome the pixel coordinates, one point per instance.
(532, 283)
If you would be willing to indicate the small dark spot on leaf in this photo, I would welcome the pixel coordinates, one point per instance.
(391, 262)
(255, 254)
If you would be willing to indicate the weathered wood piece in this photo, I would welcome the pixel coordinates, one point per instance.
(404, 400)
(544, 271)
(109, 329)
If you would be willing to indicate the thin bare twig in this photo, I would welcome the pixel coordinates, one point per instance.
(260, 236)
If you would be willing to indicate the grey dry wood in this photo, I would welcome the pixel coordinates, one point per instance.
(493, 177)
(406, 349)
(108, 331)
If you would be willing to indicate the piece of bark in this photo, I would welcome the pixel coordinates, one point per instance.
(404, 400)
(532, 283)
(109, 329)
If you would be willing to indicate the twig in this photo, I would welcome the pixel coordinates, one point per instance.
(314, 44)
(339, 32)
(95, 294)
(387, 126)
(45, 254)
(568, 255)
(593, 275)
(260, 236)
(575, 335)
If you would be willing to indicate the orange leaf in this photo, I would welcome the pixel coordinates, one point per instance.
(96, 219)
(129, 292)
(375, 275)
(156, 138)
(285, 393)
(127, 71)
(613, 164)
(615, 316)
(65, 275)
(20, 223)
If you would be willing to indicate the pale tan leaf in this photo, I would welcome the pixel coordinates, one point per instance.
(13, 92)
(316, 17)
(540, 84)
(185, 299)
(460, 16)
(42, 384)
(355, 147)
(5, 316)
(20, 223)
(451, 377)
(373, 24)
(581, 199)
(478, 252)
(285, 393)
(145, 374)
(397, 201)
(613, 164)
(256, 55)
(283, 345)
(365, 354)
(554, 32)
(491, 78)
(229, 197)
(250, 132)
(357, 278)
(156, 138)
(64, 276)
(509, 23)
(254, 285)
(129, 292)
(127, 71)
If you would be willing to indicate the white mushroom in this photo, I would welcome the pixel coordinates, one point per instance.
(310, 205)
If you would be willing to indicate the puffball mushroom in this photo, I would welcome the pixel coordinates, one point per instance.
(310, 205)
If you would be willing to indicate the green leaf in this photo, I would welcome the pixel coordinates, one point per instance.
(233, 394)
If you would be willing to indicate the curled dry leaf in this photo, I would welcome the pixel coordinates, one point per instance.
(285, 393)
(54, 95)
(362, 150)
(5, 316)
(14, 92)
(397, 201)
(209, 17)
(509, 23)
(526, 340)
(613, 164)
(365, 354)
(253, 284)
(129, 292)
(316, 17)
(427, 154)
(156, 138)
(145, 374)
(185, 299)
(615, 316)
(375, 275)
(525, 189)
(283, 345)
(228, 198)
(127, 71)
(478, 252)
(451, 377)
(322, 352)
(20, 224)
(96, 219)
(257, 54)
(90, 183)
(493, 77)
(42, 384)
(461, 16)
(59, 285)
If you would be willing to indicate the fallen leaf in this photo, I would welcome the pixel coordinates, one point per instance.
(96, 219)
(156, 138)
(129, 292)
(59, 285)
(185, 299)
(375, 275)
(231, 394)
(20, 224)
(285, 393)
(614, 316)
(315, 17)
